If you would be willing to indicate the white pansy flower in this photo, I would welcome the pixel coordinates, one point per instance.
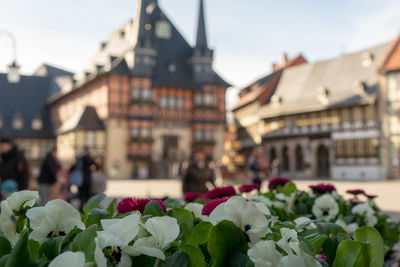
(285, 202)
(349, 228)
(67, 259)
(11, 209)
(243, 214)
(57, 218)
(366, 212)
(303, 260)
(325, 208)
(164, 230)
(264, 254)
(262, 208)
(259, 198)
(112, 243)
(302, 220)
(196, 208)
(289, 241)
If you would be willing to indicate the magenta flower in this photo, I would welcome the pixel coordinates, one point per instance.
(210, 206)
(130, 204)
(355, 201)
(323, 188)
(370, 196)
(322, 257)
(248, 187)
(192, 196)
(219, 192)
(274, 182)
(356, 192)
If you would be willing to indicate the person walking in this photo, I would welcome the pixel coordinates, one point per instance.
(48, 175)
(197, 174)
(13, 164)
(88, 165)
(258, 166)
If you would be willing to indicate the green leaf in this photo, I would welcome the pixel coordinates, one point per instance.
(224, 239)
(34, 249)
(196, 256)
(111, 207)
(330, 228)
(95, 216)
(288, 188)
(69, 238)
(153, 208)
(239, 260)
(200, 234)
(52, 247)
(85, 242)
(183, 216)
(93, 202)
(369, 235)
(5, 246)
(3, 260)
(172, 203)
(143, 261)
(351, 254)
(19, 255)
(177, 259)
(318, 242)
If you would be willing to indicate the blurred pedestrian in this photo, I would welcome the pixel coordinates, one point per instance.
(48, 175)
(198, 174)
(86, 165)
(13, 164)
(258, 166)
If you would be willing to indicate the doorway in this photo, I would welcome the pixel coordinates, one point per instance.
(323, 164)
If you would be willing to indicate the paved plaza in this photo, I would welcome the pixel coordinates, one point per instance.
(388, 192)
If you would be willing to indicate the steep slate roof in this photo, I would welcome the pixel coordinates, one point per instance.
(27, 99)
(86, 119)
(175, 50)
(298, 87)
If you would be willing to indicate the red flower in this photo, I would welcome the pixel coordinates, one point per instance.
(370, 196)
(210, 206)
(191, 196)
(355, 192)
(355, 201)
(248, 187)
(132, 204)
(220, 192)
(274, 182)
(322, 188)
(321, 257)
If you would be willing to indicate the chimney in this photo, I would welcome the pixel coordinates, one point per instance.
(284, 59)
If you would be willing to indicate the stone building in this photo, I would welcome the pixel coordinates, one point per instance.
(334, 118)
(154, 96)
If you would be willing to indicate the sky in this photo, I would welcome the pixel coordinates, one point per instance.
(247, 35)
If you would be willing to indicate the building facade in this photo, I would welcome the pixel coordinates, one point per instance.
(157, 98)
(335, 118)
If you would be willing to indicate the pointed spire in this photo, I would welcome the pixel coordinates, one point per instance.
(143, 22)
(201, 39)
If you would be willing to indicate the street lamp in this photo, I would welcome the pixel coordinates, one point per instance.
(13, 75)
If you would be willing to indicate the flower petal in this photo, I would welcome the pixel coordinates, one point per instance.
(67, 259)
(148, 246)
(124, 229)
(163, 229)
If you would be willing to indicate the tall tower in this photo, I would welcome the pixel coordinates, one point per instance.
(202, 58)
(144, 47)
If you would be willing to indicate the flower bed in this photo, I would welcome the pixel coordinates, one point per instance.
(225, 227)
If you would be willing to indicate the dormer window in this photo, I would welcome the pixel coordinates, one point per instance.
(18, 122)
(323, 95)
(171, 67)
(163, 29)
(37, 124)
(366, 59)
(198, 68)
(276, 100)
(359, 87)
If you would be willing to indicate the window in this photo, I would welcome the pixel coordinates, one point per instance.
(198, 136)
(345, 115)
(181, 103)
(163, 29)
(147, 94)
(171, 102)
(135, 132)
(135, 94)
(163, 101)
(357, 114)
(360, 147)
(141, 94)
(146, 133)
(206, 99)
(141, 133)
(37, 124)
(18, 122)
(369, 112)
(90, 139)
(204, 136)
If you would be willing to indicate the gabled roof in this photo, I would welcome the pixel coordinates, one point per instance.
(391, 60)
(26, 99)
(299, 86)
(86, 119)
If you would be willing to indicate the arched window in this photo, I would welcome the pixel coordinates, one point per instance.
(285, 158)
(299, 158)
